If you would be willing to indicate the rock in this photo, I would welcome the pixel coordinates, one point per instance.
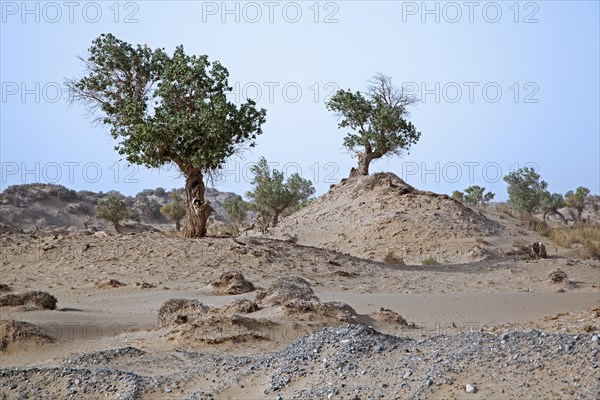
(407, 374)
(470, 388)
(595, 338)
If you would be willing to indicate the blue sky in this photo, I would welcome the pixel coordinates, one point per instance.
(502, 85)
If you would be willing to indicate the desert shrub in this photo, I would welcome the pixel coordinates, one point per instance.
(37, 299)
(429, 261)
(18, 331)
(180, 311)
(391, 258)
(558, 276)
(590, 250)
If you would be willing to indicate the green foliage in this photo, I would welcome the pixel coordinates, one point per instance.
(165, 108)
(174, 211)
(237, 209)
(429, 261)
(473, 196)
(525, 190)
(458, 196)
(577, 199)
(114, 209)
(551, 203)
(271, 195)
(377, 120)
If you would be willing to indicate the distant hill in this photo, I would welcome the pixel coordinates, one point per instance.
(43, 205)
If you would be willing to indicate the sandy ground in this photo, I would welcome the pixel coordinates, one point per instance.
(456, 315)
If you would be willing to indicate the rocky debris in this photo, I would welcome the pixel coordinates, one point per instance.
(35, 299)
(108, 283)
(180, 311)
(470, 388)
(5, 288)
(68, 383)
(349, 361)
(537, 250)
(232, 282)
(12, 331)
(286, 289)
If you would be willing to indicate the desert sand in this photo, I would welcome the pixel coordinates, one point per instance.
(295, 314)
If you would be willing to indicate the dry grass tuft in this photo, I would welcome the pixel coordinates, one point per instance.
(41, 300)
(558, 276)
(19, 331)
(223, 229)
(391, 258)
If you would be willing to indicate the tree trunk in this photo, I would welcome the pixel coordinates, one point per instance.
(178, 225)
(562, 217)
(116, 225)
(275, 218)
(363, 164)
(197, 210)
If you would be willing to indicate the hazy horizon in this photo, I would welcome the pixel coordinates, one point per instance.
(502, 85)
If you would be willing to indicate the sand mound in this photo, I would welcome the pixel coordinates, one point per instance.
(19, 331)
(179, 311)
(389, 316)
(383, 214)
(287, 289)
(35, 299)
(232, 282)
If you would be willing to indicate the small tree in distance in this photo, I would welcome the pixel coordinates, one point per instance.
(525, 190)
(472, 196)
(378, 119)
(174, 211)
(550, 205)
(237, 209)
(271, 195)
(577, 200)
(114, 209)
(458, 196)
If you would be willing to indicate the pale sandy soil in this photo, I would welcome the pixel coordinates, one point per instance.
(456, 301)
